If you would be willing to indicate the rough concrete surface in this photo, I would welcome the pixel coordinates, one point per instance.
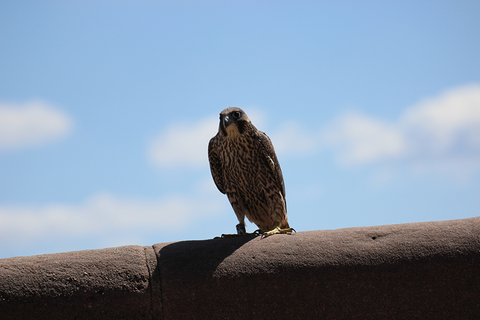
(93, 284)
(410, 271)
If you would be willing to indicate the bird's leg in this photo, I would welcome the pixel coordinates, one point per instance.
(241, 231)
(240, 211)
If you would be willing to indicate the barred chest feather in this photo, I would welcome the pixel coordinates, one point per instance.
(240, 158)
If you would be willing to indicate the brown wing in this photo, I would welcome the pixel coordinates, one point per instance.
(215, 164)
(271, 158)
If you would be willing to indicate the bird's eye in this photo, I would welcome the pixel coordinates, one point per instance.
(236, 115)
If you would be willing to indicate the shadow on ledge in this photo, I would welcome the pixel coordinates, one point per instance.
(410, 271)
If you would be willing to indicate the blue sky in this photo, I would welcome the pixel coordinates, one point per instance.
(106, 109)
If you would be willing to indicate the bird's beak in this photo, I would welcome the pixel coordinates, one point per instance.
(225, 121)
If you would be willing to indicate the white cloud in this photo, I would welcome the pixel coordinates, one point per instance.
(448, 125)
(104, 214)
(441, 134)
(291, 138)
(363, 139)
(184, 144)
(30, 124)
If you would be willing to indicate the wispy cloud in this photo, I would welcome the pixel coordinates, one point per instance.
(30, 124)
(291, 138)
(103, 215)
(183, 144)
(445, 126)
(359, 139)
(440, 134)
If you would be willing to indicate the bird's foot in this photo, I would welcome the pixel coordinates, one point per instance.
(278, 230)
(241, 231)
(233, 235)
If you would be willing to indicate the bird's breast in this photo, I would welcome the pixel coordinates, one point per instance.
(240, 163)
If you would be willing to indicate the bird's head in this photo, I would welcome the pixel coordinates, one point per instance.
(233, 122)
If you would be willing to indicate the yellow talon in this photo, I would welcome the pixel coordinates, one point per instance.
(278, 230)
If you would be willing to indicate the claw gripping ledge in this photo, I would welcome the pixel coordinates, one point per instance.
(425, 270)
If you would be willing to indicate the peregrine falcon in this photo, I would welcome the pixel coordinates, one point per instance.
(245, 167)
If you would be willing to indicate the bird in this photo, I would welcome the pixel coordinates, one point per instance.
(244, 166)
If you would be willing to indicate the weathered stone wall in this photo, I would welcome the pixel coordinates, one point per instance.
(411, 271)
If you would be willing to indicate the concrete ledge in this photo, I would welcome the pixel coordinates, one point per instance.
(411, 271)
(112, 283)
